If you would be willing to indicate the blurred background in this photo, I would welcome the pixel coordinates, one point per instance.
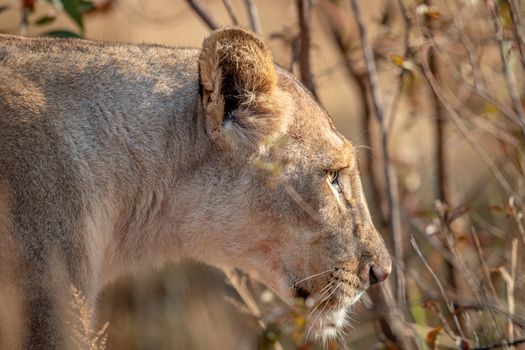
(437, 113)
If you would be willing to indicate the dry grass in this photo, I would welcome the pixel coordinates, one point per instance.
(82, 333)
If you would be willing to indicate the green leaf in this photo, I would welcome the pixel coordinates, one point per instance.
(72, 8)
(45, 20)
(62, 34)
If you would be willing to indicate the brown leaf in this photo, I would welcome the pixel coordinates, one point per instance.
(432, 337)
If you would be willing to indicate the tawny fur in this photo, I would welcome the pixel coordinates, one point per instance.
(115, 157)
(242, 58)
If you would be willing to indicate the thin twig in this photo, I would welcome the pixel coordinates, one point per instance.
(484, 264)
(449, 106)
(460, 302)
(501, 345)
(469, 277)
(405, 55)
(304, 13)
(231, 12)
(299, 200)
(441, 155)
(509, 76)
(26, 8)
(203, 14)
(443, 183)
(517, 214)
(516, 30)
(473, 58)
(248, 299)
(254, 16)
(479, 85)
(510, 281)
(450, 306)
(511, 288)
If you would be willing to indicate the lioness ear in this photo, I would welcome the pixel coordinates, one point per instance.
(239, 88)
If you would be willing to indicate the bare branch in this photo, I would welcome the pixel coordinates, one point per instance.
(516, 30)
(240, 286)
(203, 14)
(502, 345)
(254, 16)
(303, 10)
(449, 106)
(442, 181)
(484, 265)
(449, 304)
(473, 58)
(406, 51)
(231, 12)
(509, 76)
(441, 156)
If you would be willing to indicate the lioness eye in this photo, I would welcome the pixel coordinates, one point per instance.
(333, 179)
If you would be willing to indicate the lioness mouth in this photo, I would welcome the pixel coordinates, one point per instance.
(301, 293)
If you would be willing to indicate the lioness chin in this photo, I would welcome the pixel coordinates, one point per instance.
(119, 156)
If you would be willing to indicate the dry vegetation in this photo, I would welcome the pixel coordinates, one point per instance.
(82, 329)
(442, 129)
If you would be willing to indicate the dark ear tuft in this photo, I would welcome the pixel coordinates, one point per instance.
(239, 87)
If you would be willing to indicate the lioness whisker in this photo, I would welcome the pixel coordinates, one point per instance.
(323, 301)
(327, 286)
(311, 276)
(321, 297)
(320, 312)
(328, 298)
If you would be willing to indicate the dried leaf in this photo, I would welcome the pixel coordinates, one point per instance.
(432, 338)
(397, 60)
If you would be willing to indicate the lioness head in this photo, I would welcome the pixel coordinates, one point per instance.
(280, 194)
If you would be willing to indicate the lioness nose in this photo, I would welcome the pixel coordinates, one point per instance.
(379, 273)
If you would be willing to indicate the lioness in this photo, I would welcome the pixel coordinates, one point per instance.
(117, 156)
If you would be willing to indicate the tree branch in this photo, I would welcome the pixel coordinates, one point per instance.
(516, 30)
(231, 12)
(203, 14)
(502, 345)
(509, 76)
(254, 16)
(303, 10)
(239, 284)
